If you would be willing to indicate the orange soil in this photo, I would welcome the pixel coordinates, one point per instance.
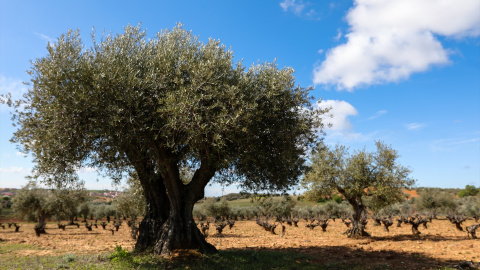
(412, 193)
(439, 245)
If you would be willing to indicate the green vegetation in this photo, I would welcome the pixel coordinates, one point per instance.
(33, 203)
(435, 202)
(468, 191)
(364, 179)
(165, 107)
(122, 259)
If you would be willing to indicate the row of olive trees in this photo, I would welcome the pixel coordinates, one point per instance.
(38, 204)
(271, 207)
(33, 203)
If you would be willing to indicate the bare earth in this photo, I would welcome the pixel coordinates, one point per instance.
(439, 245)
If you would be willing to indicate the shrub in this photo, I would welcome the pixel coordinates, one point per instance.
(119, 254)
(69, 257)
(468, 191)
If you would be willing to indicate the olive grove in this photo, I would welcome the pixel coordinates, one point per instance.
(160, 107)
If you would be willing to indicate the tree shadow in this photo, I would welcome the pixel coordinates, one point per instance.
(79, 233)
(411, 237)
(341, 257)
(229, 235)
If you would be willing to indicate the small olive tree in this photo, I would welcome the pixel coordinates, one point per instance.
(132, 202)
(435, 202)
(32, 203)
(356, 176)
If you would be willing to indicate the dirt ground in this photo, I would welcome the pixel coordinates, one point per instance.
(439, 245)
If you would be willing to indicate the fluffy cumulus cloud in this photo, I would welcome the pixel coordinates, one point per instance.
(340, 111)
(390, 39)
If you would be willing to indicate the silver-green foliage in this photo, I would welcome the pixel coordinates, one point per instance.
(172, 98)
(468, 206)
(132, 202)
(35, 203)
(436, 202)
(358, 175)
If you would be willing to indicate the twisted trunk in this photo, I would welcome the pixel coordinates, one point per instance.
(180, 231)
(168, 223)
(358, 220)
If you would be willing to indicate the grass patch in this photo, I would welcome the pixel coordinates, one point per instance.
(121, 259)
(8, 248)
(235, 260)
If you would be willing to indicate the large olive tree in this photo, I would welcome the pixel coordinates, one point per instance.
(158, 106)
(356, 176)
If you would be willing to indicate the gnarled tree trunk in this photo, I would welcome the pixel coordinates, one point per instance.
(168, 223)
(181, 232)
(359, 220)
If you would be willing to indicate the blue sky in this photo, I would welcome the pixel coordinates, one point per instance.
(406, 72)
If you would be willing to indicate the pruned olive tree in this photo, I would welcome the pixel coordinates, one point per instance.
(435, 202)
(38, 204)
(356, 176)
(132, 202)
(68, 201)
(158, 106)
(33, 203)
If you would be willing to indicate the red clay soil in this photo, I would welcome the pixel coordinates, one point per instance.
(439, 245)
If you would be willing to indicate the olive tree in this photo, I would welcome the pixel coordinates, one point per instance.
(132, 202)
(68, 200)
(157, 106)
(37, 204)
(356, 176)
(435, 201)
(33, 203)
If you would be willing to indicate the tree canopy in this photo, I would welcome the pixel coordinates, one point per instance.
(358, 175)
(469, 190)
(37, 204)
(163, 106)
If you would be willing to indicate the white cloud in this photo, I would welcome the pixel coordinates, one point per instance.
(377, 114)
(292, 5)
(341, 111)
(414, 126)
(388, 40)
(443, 145)
(339, 35)
(12, 170)
(87, 170)
(46, 38)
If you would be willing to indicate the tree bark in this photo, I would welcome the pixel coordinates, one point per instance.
(168, 223)
(157, 204)
(180, 231)
(157, 211)
(358, 228)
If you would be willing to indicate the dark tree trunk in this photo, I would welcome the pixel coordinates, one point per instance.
(156, 201)
(181, 232)
(358, 220)
(168, 223)
(156, 215)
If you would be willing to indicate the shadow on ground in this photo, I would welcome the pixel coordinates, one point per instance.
(341, 257)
